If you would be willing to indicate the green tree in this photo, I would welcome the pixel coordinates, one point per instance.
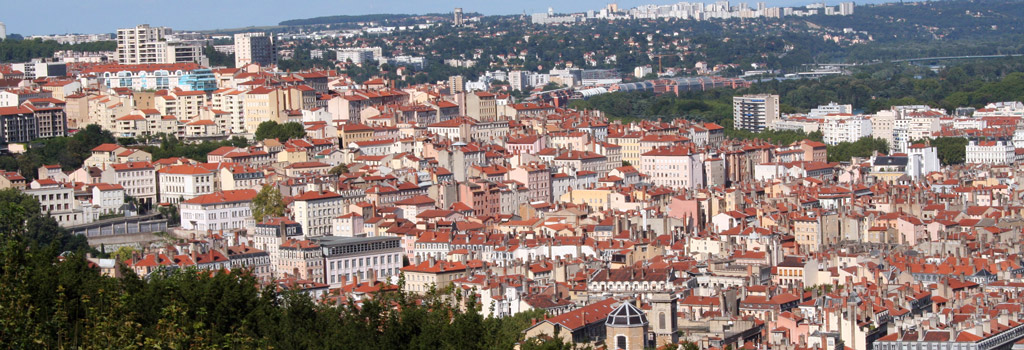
(268, 203)
(123, 253)
(273, 130)
(339, 169)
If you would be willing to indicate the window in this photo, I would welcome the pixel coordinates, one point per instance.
(620, 342)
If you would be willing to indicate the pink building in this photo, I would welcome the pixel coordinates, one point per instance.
(530, 144)
(536, 177)
(676, 167)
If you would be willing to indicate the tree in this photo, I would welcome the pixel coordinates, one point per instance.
(268, 203)
(339, 169)
(170, 212)
(951, 150)
(273, 130)
(123, 253)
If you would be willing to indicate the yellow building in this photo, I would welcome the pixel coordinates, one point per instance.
(419, 278)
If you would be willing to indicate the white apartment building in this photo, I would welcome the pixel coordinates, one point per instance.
(315, 212)
(755, 112)
(990, 152)
(232, 102)
(359, 55)
(224, 210)
(365, 258)
(836, 130)
(58, 200)
(149, 45)
(675, 167)
(923, 159)
(1001, 109)
(183, 182)
(969, 123)
(256, 48)
(830, 108)
(137, 178)
(921, 127)
(108, 198)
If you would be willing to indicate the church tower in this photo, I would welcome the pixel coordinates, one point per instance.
(663, 311)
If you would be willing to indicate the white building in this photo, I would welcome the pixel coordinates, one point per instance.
(755, 112)
(109, 198)
(923, 159)
(990, 152)
(676, 167)
(183, 182)
(148, 45)
(255, 48)
(137, 178)
(316, 210)
(831, 108)
(224, 210)
(58, 200)
(836, 130)
(365, 258)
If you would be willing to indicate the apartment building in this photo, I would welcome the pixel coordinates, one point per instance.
(224, 210)
(755, 112)
(137, 178)
(144, 44)
(990, 152)
(183, 182)
(256, 48)
(301, 259)
(365, 258)
(58, 200)
(480, 105)
(272, 232)
(421, 277)
(674, 166)
(108, 198)
(315, 210)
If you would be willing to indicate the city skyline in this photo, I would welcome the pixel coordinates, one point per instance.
(94, 17)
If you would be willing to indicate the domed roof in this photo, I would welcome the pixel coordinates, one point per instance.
(626, 315)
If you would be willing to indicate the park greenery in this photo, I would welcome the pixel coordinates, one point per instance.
(281, 132)
(52, 297)
(22, 218)
(69, 152)
(169, 146)
(14, 50)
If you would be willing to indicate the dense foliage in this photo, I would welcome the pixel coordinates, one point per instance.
(12, 50)
(170, 146)
(217, 58)
(951, 150)
(281, 132)
(46, 302)
(68, 152)
(22, 218)
(864, 147)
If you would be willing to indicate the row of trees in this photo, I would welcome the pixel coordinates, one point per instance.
(68, 152)
(50, 297)
(14, 50)
(168, 146)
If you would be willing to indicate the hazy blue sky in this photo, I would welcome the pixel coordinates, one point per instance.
(105, 16)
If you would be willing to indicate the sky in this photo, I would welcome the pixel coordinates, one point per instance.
(105, 16)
